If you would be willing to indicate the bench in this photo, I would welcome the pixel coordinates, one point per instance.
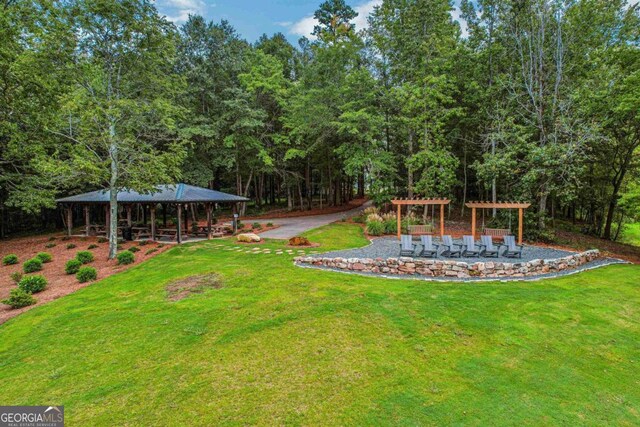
(496, 232)
(420, 229)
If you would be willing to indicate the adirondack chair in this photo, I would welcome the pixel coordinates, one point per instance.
(488, 249)
(407, 247)
(428, 248)
(469, 247)
(513, 250)
(450, 251)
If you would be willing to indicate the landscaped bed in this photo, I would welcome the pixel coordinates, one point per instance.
(62, 249)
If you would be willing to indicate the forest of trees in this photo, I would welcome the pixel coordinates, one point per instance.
(537, 100)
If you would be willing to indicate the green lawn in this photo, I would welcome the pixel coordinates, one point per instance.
(279, 344)
(631, 234)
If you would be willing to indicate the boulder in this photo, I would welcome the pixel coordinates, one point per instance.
(248, 237)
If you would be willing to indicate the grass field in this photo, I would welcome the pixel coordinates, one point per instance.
(277, 344)
(631, 234)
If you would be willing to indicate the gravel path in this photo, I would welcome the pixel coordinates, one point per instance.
(388, 247)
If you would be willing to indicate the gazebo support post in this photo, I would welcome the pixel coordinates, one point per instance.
(69, 213)
(179, 225)
(209, 209)
(87, 221)
(186, 220)
(164, 215)
(520, 215)
(399, 220)
(128, 209)
(473, 222)
(441, 221)
(153, 222)
(108, 220)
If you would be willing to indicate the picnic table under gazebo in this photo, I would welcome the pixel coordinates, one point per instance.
(179, 196)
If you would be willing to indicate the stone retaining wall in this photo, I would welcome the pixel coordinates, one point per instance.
(452, 268)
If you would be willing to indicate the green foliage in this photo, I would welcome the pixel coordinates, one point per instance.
(86, 274)
(92, 246)
(269, 224)
(125, 257)
(150, 251)
(375, 228)
(50, 245)
(72, 266)
(16, 276)
(71, 246)
(10, 259)
(143, 243)
(102, 240)
(134, 249)
(33, 284)
(44, 257)
(256, 225)
(19, 298)
(32, 265)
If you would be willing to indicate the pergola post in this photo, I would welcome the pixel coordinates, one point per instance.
(153, 222)
(186, 220)
(128, 209)
(441, 221)
(179, 225)
(108, 220)
(87, 225)
(473, 222)
(520, 215)
(209, 220)
(69, 213)
(399, 221)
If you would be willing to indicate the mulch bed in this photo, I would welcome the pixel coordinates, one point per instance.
(60, 283)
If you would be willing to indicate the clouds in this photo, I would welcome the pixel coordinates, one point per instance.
(179, 10)
(304, 26)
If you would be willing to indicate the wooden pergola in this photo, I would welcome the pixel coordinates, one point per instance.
(407, 202)
(498, 205)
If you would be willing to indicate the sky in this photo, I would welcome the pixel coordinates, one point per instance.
(252, 18)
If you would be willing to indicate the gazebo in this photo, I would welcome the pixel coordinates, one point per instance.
(179, 195)
(407, 202)
(498, 205)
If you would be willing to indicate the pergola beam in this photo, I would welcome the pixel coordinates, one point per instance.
(521, 206)
(406, 202)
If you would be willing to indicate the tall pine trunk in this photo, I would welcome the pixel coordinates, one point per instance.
(113, 194)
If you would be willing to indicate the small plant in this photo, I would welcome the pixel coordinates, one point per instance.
(19, 298)
(65, 238)
(16, 276)
(144, 243)
(52, 238)
(150, 251)
(10, 259)
(102, 240)
(33, 284)
(84, 257)
(71, 245)
(44, 257)
(134, 249)
(161, 245)
(125, 257)
(269, 224)
(72, 266)
(32, 265)
(375, 228)
(256, 225)
(86, 274)
(92, 246)
(50, 245)
(119, 247)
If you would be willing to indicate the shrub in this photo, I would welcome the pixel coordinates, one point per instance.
(33, 284)
(375, 228)
(150, 251)
(119, 247)
(84, 257)
(44, 257)
(19, 298)
(102, 240)
(161, 245)
(50, 245)
(52, 238)
(144, 243)
(86, 274)
(71, 246)
(256, 225)
(10, 259)
(92, 246)
(359, 219)
(269, 224)
(134, 249)
(72, 266)
(125, 257)
(16, 276)
(371, 210)
(299, 241)
(31, 265)
(65, 238)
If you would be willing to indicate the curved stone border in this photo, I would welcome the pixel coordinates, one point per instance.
(452, 268)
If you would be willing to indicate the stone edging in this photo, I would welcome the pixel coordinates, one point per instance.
(452, 268)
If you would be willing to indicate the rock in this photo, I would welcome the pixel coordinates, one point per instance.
(248, 237)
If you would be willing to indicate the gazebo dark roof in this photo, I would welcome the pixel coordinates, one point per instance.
(171, 193)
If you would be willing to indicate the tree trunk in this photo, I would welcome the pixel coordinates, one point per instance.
(409, 169)
(113, 194)
(542, 210)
